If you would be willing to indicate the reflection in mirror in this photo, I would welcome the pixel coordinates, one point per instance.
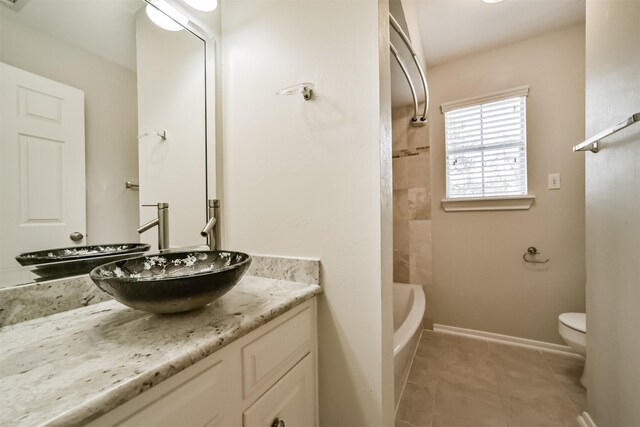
(87, 86)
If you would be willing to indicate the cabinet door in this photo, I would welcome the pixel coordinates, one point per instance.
(292, 400)
(269, 357)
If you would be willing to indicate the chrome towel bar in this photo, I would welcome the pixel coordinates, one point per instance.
(591, 144)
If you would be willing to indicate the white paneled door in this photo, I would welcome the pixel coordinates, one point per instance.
(42, 164)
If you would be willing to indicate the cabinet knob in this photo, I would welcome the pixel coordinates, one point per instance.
(278, 423)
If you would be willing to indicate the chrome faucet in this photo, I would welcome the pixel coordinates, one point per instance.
(162, 221)
(210, 231)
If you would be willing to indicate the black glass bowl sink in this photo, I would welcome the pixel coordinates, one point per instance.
(173, 282)
(75, 260)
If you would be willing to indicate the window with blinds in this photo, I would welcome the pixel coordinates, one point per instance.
(486, 148)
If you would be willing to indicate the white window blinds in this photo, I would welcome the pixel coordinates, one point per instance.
(486, 149)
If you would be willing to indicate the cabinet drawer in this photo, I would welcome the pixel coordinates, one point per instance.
(291, 400)
(270, 356)
(199, 401)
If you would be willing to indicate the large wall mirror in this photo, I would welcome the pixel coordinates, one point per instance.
(97, 94)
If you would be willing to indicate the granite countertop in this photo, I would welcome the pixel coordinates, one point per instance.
(72, 367)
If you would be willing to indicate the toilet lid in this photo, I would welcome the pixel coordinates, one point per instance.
(577, 321)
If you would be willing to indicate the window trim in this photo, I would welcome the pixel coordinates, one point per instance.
(494, 96)
(459, 204)
(502, 203)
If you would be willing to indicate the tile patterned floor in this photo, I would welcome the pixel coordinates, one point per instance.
(462, 382)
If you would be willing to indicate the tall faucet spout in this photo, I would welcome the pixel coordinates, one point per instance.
(148, 225)
(162, 222)
(212, 230)
(209, 227)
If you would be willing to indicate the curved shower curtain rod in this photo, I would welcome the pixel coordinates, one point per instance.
(403, 67)
(423, 119)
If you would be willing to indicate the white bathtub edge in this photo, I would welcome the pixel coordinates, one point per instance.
(405, 378)
(412, 322)
(585, 420)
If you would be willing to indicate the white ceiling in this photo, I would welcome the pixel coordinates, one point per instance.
(449, 29)
(105, 27)
(454, 28)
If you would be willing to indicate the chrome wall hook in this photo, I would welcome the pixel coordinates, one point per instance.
(161, 133)
(306, 89)
(531, 250)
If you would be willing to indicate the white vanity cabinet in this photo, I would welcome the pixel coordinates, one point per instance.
(265, 379)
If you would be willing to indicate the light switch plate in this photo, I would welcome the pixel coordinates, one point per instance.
(554, 181)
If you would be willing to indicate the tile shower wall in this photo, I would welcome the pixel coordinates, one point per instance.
(411, 203)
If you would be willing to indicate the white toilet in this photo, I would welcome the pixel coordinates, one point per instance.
(573, 330)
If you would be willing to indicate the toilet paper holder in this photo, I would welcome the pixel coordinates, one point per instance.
(531, 250)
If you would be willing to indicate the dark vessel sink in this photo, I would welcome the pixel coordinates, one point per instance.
(172, 282)
(77, 260)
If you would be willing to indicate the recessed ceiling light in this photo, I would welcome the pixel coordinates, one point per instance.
(492, 1)
(203, 5)
(166, 16)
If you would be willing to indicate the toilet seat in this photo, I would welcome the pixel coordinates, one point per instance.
(575, 321)
(573, 330)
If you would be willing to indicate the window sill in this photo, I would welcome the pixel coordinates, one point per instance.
(508, 203)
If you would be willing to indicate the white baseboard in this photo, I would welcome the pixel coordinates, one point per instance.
(506, 339)
(585, 420)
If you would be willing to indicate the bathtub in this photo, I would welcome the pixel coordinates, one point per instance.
(408, 311)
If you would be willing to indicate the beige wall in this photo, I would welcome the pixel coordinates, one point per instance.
(313, 178)
(110, 123)
(613, 215)
(412, 254)
(480, 279)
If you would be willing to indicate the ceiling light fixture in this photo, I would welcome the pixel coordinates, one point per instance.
(203, 5)
(492, 1)
(166, 16)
